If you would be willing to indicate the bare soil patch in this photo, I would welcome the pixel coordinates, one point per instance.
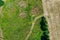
(35, 10)
(52, 9)
(23, 15)
(23, 4)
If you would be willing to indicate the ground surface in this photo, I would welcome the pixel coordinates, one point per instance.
(52, 13)
(19, 17)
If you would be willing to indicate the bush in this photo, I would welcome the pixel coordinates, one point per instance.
(46, 34)
(44, 28)
(43, 24)
(44, 38)
(1, 3)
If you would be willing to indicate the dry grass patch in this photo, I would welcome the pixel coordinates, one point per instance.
(35, 10)
(23, 4)
(23, 15)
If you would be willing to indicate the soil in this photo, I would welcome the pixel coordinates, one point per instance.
(52, 14)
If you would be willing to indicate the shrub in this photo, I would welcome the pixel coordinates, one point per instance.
(46, 34)
(43, 24)
(1, 3)
(44, 28)
(44, 38)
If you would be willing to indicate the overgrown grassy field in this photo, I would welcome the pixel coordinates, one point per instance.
(17, 17)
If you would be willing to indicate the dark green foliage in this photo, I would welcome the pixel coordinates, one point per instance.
(43, 24)
(1, 3)
(45, 36)
(44, 28)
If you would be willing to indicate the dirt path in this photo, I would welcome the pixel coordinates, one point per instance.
(33, 23)
(1, 34)
(52, 14)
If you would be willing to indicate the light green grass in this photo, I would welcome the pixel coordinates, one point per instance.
(15, 27)
(37, 32)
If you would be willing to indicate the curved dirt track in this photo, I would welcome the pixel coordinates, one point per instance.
(1, 33)
(52, 14)
(32, 26)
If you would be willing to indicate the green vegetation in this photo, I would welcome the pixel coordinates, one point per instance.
(37, 32)
(44, 28)
(43, 24)
(1, 3)
(15, 27)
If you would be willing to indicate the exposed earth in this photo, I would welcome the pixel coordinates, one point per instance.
(52, 14)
